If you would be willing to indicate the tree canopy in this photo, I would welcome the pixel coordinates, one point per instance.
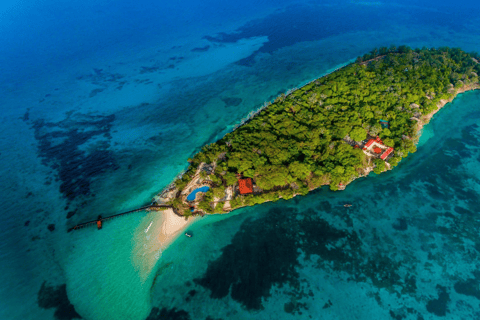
(299, 143)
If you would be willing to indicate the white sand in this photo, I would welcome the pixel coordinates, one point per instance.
(165, 227)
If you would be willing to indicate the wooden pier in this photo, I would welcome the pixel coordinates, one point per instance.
(99, 221)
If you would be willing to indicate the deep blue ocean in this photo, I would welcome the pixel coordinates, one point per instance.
(101, 105)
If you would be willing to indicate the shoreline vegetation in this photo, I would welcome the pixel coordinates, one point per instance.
(366, 116)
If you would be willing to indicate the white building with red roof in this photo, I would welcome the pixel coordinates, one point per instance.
(376, 149)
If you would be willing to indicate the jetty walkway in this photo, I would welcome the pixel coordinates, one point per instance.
(98, 222)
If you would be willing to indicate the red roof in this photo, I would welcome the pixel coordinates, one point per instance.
(386, 153)
(379, 140)
(246, 185)
(377, 150)
(369, 143)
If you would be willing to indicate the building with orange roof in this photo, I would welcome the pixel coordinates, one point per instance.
(386, 153)
(369, 143)
(246, 185)
(375, 148)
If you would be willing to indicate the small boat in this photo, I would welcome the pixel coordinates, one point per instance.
(148, 228)
(188, 234)
(347, 205)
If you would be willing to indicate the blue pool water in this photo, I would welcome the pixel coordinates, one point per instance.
(192, 195)
(104, 102)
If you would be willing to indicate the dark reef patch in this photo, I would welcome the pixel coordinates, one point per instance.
(260, 256)
(99, 77)
(294, 307)
(439, 306)
(469, 287)
(312, 21)
(400, 224)
(77, 148)
(51, 227)
(264, 253)
(396, 316)
(168, 314)
(56, 297)
(144, 70)
(232, 101)
(71, 213)
(445, 175)
(440, 186)
(94, 92)
(26, 115)
(301, 23)
(410, 284)
(201, 49)
(461, 210)
(470, 137)
(190, 295)
(325, 206)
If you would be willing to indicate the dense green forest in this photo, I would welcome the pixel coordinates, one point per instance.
(297, 143)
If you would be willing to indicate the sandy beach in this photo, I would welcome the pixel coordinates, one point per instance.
(153, 236)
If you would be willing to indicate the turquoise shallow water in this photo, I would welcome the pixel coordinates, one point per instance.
(100, 124)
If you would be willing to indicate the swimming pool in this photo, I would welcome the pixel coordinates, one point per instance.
(192, 195)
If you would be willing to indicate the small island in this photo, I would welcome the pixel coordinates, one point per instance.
(363, 117)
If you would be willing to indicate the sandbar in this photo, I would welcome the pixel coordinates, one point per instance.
(153, 236)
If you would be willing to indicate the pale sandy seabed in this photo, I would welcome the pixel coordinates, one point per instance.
(153, 236)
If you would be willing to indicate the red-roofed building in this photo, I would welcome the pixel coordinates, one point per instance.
(386, 153)
(369, 143)
(375, 148)
(246, 185)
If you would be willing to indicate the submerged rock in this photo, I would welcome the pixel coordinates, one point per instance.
(56, 297)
